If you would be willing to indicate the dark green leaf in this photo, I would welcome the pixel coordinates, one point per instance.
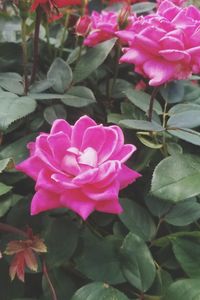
(41, 86)
(61, 238)
(137, 262)
(187, 135)
(176, 178)
(187, 253)
(137, 219)
(184, 107)
(185, 289)
(173, 92)
(14, 108)
(100, 291)
(17, 150)
(141, 125)
(142, 100)
(61, 75)
(53, 112)
(106, 250)
(78, 96)
(187, 119)
(93, 58)
(184, 213)
(4, 163)
(156, 206)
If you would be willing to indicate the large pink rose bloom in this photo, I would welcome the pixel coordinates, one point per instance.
(164, 46)
(80, 167)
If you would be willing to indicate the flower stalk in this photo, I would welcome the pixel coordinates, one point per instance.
(36, 43)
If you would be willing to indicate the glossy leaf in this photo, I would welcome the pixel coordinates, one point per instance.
(137, 219)
(78, 96)
(93, 58)
(176, 178)
(137, 262)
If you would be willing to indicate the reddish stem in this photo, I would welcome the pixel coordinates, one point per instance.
(45, 271)
(36, 43)
(11, 229)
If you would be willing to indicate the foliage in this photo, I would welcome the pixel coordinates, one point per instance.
(151, 250)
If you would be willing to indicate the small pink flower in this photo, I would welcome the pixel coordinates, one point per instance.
(164, 46)
(104, 25)
(82, 26)
(80, 167)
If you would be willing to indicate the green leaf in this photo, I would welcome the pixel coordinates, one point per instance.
(141, 125)
(157, 207)
(11, 82)
(176, 178)
(14, 108)
(108, 267)
(4, 188)
(137, 262)
(187, 119)
(53, 112)
(5, 163)
(41, 86)
(185, 289)
(187, 254)
(184, 213)
(174, 148)
(61, 75)
(183, 107)
(137, 219)
(18, 149)
(166, 240)
(100, 291)
(93, 58)
(62, 283)
(161, 282)
(7, 201)
(173, 92)
(142, 100)
(139, 8)
(61, 237)
(188, 135)
(78, 96)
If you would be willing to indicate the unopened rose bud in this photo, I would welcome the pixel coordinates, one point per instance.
(123, 16)
(82, 26)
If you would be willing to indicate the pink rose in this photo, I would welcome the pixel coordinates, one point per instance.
(104, 25)
(164, 46)
(80, 167)
(176, 2)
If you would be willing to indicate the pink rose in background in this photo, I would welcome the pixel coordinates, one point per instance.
(80, 167)
(104, 25)
(164, 46)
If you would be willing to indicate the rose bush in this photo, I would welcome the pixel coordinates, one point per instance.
(80, 167)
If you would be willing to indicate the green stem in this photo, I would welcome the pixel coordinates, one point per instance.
(36, 43)
(48, 38)
(116, 69)
(25, 55)
(150, 111)
(64, 34)
(165, 152)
